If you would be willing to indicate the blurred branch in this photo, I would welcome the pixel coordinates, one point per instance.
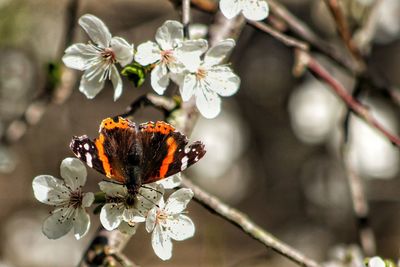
(186, 17)
(358, 108)
(241, 220)
(344, 31)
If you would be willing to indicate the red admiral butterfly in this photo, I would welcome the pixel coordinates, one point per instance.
(133, 155)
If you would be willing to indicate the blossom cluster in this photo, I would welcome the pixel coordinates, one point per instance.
(198, 70)
(121, 210)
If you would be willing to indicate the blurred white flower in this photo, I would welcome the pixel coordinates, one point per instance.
(167, 222)
(251, 9)
(67, 196)
(98, 59)
(122, 206)
(170, 182)
(168, 53)
(208, 79)
(376, 262)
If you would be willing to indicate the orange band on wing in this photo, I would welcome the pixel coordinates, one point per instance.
(109, 124)
(102, 156)
(158, 127)
(172, 146)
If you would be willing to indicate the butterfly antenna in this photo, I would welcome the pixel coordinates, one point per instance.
(151, 201)
(150, 188)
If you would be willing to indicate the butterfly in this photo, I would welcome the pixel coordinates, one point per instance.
(135, 155)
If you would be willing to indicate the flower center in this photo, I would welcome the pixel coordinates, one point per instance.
(161, 215)
(201, 74)
(167, 56)
(108, 55)
(75, 199)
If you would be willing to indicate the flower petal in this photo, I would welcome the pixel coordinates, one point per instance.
(78, 56)
(127, 228)
(376, 262)
(188, 55)
(90, 86)
(180, 228)
(222, 80)
(132, 216)
(116, 81)
(74, 173)
(170, 34)
(218, 52)
(111, 216)
(113, 189)
(178, 201)
(87, 200)
(208, 102)
(161, 243)
(49, 190)
(159, 78)
(171, 182)
(148, 197)
(255, 10)
(230, 8)
(55, 226)
(81, 223)
(151, 219)
(96, 29)
(147, 53)
(188, 87)
(123, 50)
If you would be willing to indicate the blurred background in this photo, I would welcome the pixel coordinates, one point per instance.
(273, 152)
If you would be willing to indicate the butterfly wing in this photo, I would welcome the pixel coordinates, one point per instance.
(116, 149)
(165, 152)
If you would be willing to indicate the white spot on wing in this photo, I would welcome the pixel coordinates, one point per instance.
(184, 163)
(86, 146)
(89, 160)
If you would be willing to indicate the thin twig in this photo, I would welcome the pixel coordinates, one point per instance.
(343, 30)
(186, 17)
(358, 108)
(287, 40)
(240, 220)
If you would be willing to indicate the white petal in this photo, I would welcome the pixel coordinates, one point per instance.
(91, 86)
(96, 29)
(171, 182)
(127, 228)
(123, 50)
(151, 219)
(132, 216)
(159, 79)
(74, 173)
(177, 77)
(169, 35)
(376, 262)
(49, 190)
(178, 201)
(113, 190)
(218, 52)
(111, 216)
(148, 197)
(208, 102)
(147, 53)
(55, 226)
(188, 55)
(255, 10)
(180, 228)
(78, 56)
(222, 80)
(87, 199)
(188, 87)
(161, 243)
(230, 8)
(117, 82)
(81, 223)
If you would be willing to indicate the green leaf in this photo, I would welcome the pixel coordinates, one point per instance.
(136, 73)
(53, 74)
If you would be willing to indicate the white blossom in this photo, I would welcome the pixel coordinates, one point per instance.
(251, 9)
(376, 262)
(209, 79)
(68, 199)
(167, 222)
(170, 182)
(98, 59)
(124, 208)
(168, 53)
